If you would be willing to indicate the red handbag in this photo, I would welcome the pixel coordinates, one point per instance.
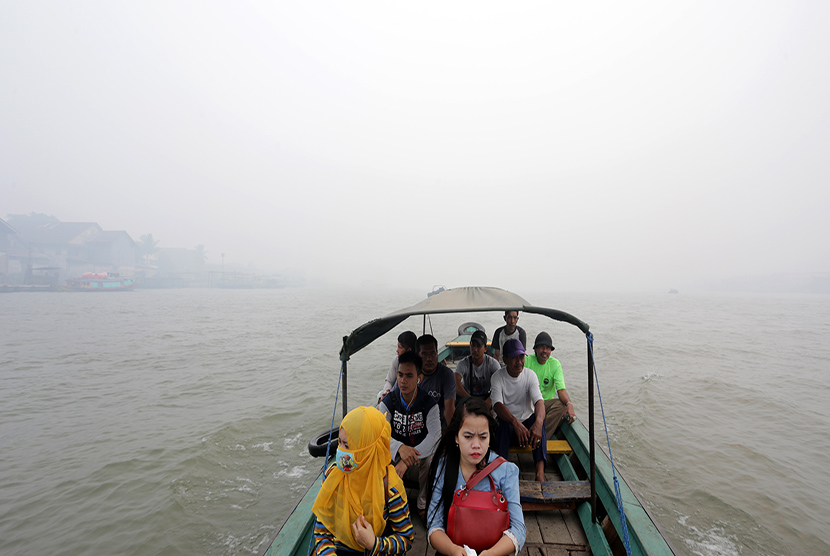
(478, 518)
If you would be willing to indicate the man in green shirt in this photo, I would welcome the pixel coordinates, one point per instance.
(551, 383)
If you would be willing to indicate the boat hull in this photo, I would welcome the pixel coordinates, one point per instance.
(646, 539)
(104, 285)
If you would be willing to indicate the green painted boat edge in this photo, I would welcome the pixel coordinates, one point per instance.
(645, 536)
(294, 535)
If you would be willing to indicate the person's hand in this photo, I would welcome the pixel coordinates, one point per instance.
(363, 533)
(571, 412)
(459, 551)
(400, 468)
(408, 455)
(537, 433)
(522, 433)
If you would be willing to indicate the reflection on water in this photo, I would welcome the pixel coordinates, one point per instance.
(176, 422)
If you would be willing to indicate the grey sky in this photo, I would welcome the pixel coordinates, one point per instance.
(634, 145)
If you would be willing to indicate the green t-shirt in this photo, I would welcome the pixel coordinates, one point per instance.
(551, 379)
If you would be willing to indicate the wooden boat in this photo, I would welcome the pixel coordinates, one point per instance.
(575, 512)
(100, 282)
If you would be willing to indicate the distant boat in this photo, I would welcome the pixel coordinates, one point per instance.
(673, 291)
(99, 282)
(436, 289)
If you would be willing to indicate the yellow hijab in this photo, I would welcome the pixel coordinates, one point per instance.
(345, 496)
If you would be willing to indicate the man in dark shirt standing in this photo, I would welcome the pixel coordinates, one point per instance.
(510, 330)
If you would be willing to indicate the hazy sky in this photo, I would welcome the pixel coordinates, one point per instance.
(556, 145)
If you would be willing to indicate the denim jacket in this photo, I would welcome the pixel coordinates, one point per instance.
(506, 478)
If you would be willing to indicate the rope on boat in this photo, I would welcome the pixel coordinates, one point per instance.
(620, 509)
(328, 445)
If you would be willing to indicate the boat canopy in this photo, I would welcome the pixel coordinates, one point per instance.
(455, 300)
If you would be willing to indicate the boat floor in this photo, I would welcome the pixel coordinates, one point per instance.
(549, 533)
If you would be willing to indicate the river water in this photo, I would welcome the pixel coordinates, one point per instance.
(176, 421)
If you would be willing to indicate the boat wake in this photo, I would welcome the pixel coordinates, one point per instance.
(714, 541)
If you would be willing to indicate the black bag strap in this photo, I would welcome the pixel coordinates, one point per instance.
(484, 472)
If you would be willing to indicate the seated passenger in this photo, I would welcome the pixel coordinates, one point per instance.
(464, 450)
(439, 380)
(519, 406)
(551, 383)
(406, 342)
(416, 424)
(362, 504)
(472, 374)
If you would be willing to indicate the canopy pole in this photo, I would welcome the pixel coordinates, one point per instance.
(345, 405)
(593, 469)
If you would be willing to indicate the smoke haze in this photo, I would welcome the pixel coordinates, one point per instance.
(550, 146)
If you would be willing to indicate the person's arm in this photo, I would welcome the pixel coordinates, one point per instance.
(509, 486)
(461, 392)
(497, 397)
(495, 345)
(436, 534)
(449, 396)
(394, 445)
(522, 336)
(537, 429)
(449, 409)
(390, 381)
(400, 538)
(491, 366)
(428, 444)
(409, 455)
(506, 416)
(323, 540)
(442, 544)
(566, 400)
(504, 547)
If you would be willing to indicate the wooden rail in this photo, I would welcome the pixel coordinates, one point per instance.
(553, 495)
(554, 447)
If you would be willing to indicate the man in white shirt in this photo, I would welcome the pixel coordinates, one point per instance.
(518, 403)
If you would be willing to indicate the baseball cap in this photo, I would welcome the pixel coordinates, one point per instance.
(479, 337)
(513, 348)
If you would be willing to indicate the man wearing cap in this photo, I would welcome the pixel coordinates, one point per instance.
(510, 330)
(519, 405)
(473, 373)
(551, 383)
(406, 342)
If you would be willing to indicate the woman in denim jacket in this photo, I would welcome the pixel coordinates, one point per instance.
(464, 449)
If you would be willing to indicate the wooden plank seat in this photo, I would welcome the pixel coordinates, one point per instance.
(552, 495)
(554, 447)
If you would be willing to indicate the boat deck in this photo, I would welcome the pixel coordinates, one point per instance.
(549, 533)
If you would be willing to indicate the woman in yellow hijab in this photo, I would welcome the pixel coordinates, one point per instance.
(361, 507)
